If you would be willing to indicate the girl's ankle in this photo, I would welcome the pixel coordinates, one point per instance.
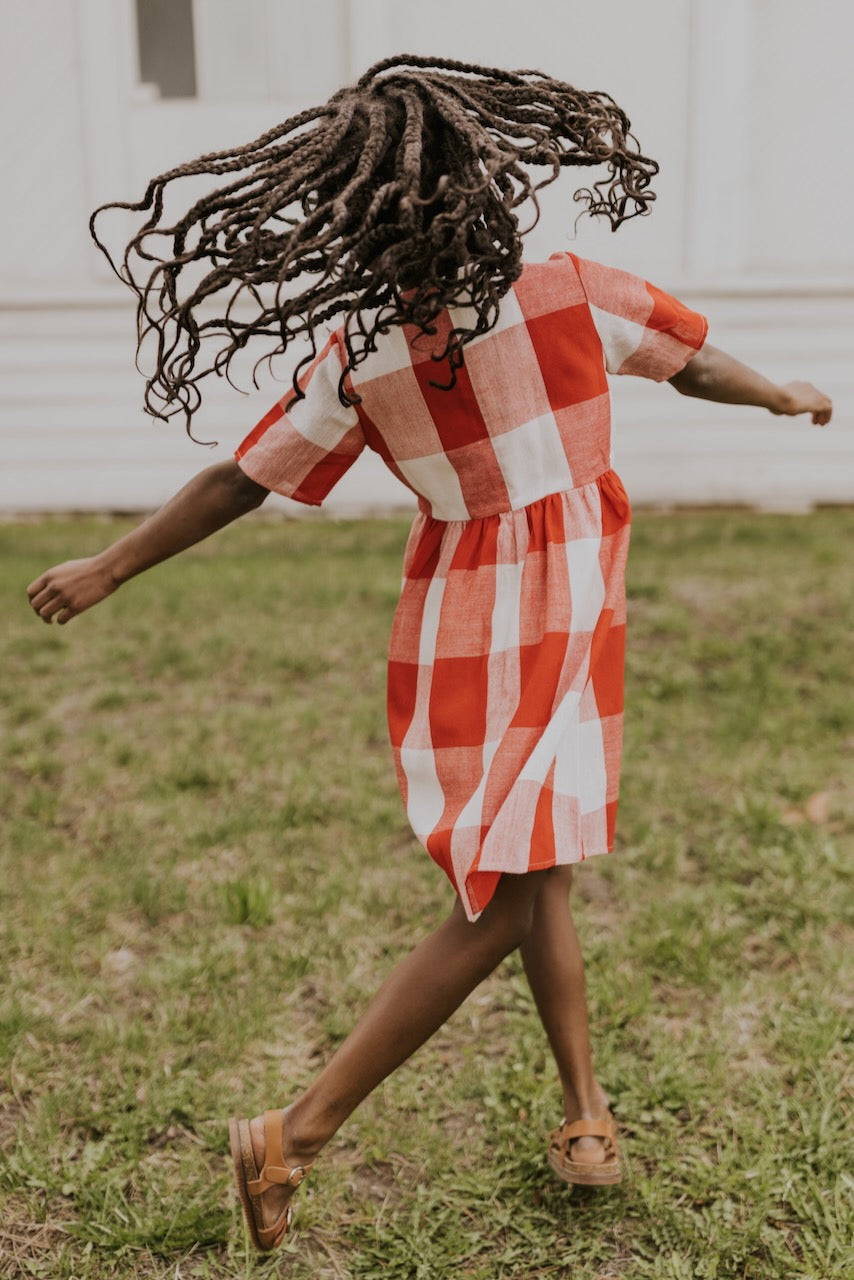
(301, 1140)
(590, 1106)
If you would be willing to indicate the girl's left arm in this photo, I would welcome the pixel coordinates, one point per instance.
(713, 375)
(212, 499)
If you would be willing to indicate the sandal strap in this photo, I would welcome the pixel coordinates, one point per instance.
(271, 1237)
(273, 1138)
(275, 1171)
(604, 1128)
(277, 1175)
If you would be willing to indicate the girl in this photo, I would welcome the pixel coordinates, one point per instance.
(481, 382)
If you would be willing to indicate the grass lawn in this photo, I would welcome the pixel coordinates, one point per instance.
(206, 868)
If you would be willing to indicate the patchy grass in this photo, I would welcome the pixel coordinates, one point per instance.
(205, 867)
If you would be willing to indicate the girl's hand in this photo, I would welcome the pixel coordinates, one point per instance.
(803, 397)
(67, 589)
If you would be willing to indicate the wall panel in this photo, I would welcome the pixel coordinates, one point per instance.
(745, 103)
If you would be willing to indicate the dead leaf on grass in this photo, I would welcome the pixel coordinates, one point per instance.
(817, 808)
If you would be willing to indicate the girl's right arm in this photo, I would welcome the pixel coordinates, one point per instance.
(713, 375)
(214, 498)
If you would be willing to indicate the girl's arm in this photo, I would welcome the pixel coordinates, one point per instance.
(713, 375)
(214, 498)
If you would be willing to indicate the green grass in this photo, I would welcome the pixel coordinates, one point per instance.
(205, 869)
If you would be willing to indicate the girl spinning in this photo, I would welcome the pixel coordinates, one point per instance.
(394, 210)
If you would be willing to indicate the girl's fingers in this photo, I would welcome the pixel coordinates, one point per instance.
(40, 591)
(42, 597)
(48, 603)
(44, 603)
(49, 610)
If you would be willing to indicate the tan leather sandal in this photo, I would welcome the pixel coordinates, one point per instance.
(584, 1173)
(251, 1184)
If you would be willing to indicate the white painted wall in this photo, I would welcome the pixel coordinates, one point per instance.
(743, 102)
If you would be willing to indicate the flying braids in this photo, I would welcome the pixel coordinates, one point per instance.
(398, 197)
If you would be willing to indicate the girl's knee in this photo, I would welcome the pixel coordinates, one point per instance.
(509, 917)
(559, 878)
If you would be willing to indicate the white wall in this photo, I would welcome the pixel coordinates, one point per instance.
(743, 102)
(42, 226)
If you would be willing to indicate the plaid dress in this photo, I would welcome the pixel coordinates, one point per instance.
(505, 674)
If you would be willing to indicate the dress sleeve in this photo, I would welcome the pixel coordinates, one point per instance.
(642, 329)
(304, 451)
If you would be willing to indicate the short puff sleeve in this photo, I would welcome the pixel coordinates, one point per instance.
(643, 330)
(302, 452)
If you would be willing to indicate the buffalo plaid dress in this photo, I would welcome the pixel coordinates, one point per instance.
(505, 674)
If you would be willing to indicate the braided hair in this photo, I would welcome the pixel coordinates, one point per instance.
(397, 198)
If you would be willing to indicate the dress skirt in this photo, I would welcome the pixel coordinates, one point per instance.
(505, 685)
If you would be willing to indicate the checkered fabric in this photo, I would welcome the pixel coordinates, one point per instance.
(505, 678)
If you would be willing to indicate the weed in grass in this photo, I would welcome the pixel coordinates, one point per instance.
(156, 897)
(249, 902)
(195, 777)
(111, 700)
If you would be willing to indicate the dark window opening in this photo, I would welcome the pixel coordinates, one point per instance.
(167, 55)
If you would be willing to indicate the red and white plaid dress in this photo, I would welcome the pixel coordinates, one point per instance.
(505, 676)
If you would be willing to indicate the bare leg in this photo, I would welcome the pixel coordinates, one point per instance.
(555, 970)
(415, 1000)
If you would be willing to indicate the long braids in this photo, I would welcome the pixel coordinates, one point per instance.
(397, 198)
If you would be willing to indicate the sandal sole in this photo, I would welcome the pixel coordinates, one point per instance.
(240, 1178)
(582, 1175)
(242, 1173)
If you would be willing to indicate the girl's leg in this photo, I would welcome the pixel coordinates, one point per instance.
(555, 970)
(415, 1000)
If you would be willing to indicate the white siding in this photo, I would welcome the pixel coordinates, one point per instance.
(751, 222)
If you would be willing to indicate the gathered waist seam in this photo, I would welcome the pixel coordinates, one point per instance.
(510, 511)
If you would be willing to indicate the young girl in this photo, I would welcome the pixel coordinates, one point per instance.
(481, 383)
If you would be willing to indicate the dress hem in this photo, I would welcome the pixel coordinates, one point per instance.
(470, 902)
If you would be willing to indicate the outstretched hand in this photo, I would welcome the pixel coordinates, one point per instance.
(67, 589)
(803, 397)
